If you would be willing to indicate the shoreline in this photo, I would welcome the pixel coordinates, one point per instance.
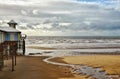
(53, 48)
(112, 51)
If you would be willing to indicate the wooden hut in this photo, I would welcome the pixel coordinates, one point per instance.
(9, 38)
(8, 34)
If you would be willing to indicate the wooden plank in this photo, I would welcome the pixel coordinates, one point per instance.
(16, 36)
(12, 37)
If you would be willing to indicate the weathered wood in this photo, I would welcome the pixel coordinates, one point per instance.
(1, 57)
(12, 50)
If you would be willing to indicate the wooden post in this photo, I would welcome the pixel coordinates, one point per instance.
(12, 53)
(15, 46)
(15, 58)
(7, 52)
(2, 60)
(12, 63)
(1, 57)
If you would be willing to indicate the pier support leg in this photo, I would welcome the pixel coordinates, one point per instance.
(15, 58)
(12, 63)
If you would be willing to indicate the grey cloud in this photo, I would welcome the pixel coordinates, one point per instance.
(82, 16)
(22, 27)
(106, 26)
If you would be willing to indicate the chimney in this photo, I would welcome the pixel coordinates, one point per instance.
(12, 24)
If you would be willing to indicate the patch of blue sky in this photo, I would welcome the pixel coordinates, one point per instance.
(89, 0)
(105, 2)
(97, 0)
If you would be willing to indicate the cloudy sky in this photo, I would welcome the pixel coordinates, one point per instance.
(63, 17)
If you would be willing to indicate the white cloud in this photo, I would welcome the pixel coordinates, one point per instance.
(35, 12)
(23, 12)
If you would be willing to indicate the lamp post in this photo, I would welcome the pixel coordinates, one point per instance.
(23, 43)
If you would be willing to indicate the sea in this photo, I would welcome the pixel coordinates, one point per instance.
(104, 44)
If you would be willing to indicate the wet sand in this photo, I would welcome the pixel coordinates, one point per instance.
(29, 67)
(97, 66)
(42, 48)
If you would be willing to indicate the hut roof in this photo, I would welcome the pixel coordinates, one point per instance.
(9, 29)
(12, 22)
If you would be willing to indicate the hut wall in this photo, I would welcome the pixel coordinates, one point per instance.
(2, 37)
(12, 36)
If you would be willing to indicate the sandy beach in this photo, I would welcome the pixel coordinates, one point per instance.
(33, 67)
(30, 67)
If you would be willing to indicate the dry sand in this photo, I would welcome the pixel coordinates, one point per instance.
(110, 63)
(34, 68)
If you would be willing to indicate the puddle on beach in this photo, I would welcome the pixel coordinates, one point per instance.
(90, 71)
(96, 73)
